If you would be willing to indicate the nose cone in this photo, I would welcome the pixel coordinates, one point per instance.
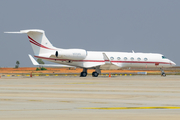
(173, 63)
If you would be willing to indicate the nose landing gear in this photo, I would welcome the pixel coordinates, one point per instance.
(162, 72)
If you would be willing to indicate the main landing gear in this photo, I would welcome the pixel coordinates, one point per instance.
(94, 74)
(84, 72)
(162, 72)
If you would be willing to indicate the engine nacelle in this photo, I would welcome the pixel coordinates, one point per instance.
(74, 54)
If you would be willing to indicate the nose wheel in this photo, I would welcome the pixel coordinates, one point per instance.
(162, 72)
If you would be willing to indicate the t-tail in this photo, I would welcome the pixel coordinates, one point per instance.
(39, 42)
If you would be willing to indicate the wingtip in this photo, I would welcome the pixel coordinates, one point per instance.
(14, 32)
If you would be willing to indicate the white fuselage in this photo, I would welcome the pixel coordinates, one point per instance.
(118, 60)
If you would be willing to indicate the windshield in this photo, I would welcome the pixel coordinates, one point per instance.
(163, 57)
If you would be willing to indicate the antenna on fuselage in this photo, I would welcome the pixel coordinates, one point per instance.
(132, 51)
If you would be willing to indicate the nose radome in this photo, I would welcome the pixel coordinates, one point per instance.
(173, 63)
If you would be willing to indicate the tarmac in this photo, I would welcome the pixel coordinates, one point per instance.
(145, 97)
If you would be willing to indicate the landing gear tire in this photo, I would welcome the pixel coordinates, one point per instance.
(83, 74)
(163, 74)
(95, 74)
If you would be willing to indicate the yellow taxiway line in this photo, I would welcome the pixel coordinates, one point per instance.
(83, 83)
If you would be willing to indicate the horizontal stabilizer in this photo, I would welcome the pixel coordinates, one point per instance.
(47, 65)
(27, 31)
(14, 32)
(33, 60)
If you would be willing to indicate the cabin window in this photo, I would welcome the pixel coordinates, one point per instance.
(118, 58)
(138, 58)
(125, 58)
(132, 58)
(145, 59)
(163, 57)
(112, 58)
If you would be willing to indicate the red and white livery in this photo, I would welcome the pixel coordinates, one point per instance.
(97, 60)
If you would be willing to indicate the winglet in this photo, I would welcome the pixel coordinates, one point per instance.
(33, 60)
(106, 59)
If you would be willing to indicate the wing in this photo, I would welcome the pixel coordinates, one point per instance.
(108, 64)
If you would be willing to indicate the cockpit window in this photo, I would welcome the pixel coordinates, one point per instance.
(163, 57)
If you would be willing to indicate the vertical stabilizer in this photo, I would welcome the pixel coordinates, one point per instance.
(39, 42)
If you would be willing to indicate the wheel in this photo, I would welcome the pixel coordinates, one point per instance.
(163, 74)
(95, 74)
(83, 74)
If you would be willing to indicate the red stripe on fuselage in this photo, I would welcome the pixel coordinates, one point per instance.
(145, 62)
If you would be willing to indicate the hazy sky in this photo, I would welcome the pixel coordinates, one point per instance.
(101, 25)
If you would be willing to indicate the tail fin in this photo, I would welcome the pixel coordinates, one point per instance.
(40, 44)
